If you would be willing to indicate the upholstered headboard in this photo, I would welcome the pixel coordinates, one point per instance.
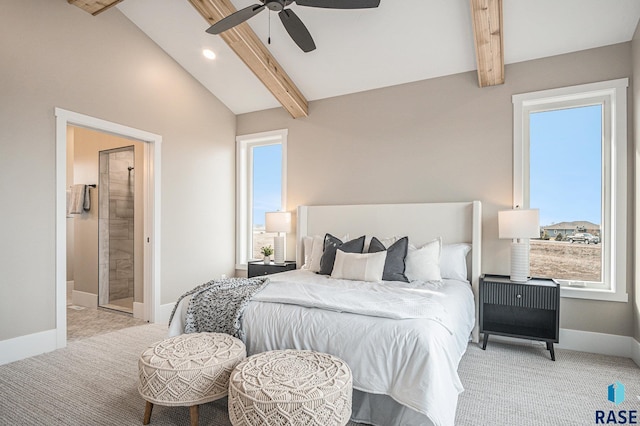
(421, 222)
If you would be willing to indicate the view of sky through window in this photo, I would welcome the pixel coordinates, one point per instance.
(267, 181)
(566, 164)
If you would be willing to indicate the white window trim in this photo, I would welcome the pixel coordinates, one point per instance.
(614, 95)
(244, 175)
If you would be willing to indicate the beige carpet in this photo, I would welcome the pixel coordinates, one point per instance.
(93, 382)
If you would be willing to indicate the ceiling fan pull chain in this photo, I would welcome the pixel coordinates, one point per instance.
(269, 36)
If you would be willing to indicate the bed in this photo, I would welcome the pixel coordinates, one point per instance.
(404, 364)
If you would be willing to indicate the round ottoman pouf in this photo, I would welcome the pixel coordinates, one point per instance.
(290, 387)
(188, 370)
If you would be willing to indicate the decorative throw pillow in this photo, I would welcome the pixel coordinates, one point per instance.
(423, 264)
(453, 261)
(386, 241)
(331, 245)
(313, 248)
(359, 266)
(394, 265)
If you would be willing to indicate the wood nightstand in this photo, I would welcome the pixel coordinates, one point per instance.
(258, 268)
(529, 310)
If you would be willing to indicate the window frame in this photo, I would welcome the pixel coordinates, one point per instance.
(612, 95)
(244, 185)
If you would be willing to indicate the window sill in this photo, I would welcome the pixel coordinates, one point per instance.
(593, 294)
(241, 266)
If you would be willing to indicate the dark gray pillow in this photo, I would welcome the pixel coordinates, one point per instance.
(333, 244)
(394, 264)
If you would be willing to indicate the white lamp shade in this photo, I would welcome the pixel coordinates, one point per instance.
(278, 221)
(519, 223)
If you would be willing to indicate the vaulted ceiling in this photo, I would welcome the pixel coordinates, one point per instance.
(358, 50)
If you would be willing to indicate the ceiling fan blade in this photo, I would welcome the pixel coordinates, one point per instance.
(339, 4)
(235, 18)
(297, 30)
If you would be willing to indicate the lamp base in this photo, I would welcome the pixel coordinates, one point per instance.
(520, 262)
(278, 249)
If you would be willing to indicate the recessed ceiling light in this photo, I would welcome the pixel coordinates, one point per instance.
(208, 53)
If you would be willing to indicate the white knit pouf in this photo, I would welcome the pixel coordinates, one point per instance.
(188, 370)
(290, 387)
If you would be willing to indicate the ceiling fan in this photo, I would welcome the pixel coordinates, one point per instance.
(294, 26)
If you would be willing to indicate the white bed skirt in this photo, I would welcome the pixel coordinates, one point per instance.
(385, 411)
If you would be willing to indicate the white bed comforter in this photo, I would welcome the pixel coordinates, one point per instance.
(399, 339)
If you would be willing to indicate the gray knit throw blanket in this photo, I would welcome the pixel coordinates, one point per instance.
(217, 306)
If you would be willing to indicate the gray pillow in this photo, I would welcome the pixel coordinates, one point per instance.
(394, 265)
(333, 244)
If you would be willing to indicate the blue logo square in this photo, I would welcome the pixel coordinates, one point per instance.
(616, 393)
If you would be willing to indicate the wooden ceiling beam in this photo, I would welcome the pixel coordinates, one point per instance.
(487, 36)
(94, 7)
(246, 44)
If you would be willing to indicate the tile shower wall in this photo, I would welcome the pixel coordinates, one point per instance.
(116, 225)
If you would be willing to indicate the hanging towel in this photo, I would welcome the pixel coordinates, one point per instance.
(76, 201)
(87, 198)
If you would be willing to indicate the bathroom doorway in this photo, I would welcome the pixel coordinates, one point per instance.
(75, 255)
(116, 229)
(106, 245)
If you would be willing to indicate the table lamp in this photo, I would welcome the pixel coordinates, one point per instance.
(517, 225)
(279, 222)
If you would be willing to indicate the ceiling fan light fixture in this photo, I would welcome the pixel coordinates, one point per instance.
(209, 54)
(294, 26)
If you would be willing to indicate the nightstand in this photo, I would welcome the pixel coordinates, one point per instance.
(529, 310)
(258, 268)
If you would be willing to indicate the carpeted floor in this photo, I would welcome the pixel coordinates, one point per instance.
(519, 385)
(93, 382)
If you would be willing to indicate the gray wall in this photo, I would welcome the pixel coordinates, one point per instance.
(442, 139)
(56, 55)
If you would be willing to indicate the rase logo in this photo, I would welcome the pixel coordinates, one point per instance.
(615, 394)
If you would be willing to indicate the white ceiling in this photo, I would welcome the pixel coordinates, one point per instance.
(357, 50)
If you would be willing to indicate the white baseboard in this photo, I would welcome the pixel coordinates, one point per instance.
(635, 351)
(70, 285)
(27, 346)
(598, 343)
(138, 310)
(85, 299)
(164, 313)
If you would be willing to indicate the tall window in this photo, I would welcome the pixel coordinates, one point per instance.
(261, 187)
(570, 162)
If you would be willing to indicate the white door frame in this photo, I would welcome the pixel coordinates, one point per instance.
(151, 219)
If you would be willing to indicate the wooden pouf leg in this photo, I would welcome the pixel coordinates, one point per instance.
(147, 413)
(193, 413)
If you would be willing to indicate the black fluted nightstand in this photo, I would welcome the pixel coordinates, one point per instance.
(529, 310)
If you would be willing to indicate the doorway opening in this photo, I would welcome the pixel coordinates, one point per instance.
(147, 173)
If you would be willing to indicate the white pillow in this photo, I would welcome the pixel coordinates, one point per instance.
(359, 266)
(307, 246)
(316, 253)
(453, 261)
(385, 241)
(313, 249)
(423, 264)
